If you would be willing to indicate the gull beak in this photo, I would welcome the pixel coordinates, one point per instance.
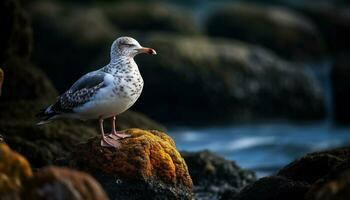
(147, 50)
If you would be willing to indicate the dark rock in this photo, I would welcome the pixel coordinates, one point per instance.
(314, 166)
(341, 88)
(63, 183)
(212, 175)
(233, 81)
(288, 33)
(16, 32)
(145, 166)
(272, 188)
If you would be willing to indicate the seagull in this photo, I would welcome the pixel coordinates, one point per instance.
(104, 93)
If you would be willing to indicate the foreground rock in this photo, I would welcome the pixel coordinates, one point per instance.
(145, 166)
(63, 183)
(233, 81)
(213, 176)
(280, 29)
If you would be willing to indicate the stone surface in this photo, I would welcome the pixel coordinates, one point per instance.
(14, 171)
(145, 166)
(233, 81)
(272, 188)
(213, 176)
(54, 183)
(285, 31)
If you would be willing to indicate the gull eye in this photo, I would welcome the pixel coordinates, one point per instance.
(128, 45)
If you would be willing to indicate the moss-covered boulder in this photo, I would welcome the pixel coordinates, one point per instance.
(150, 17)
(145, 166)
(286, 32)
(214, 176)
(14, 172)
(63, 183)
(208, 81)
(16, 32)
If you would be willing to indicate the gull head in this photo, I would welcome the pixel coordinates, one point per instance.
(127, 46)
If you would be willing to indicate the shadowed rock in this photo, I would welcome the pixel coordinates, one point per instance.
(145, 166)
(54, 183)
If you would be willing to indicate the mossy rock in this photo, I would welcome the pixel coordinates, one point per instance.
(211, 81)
(288, 33)
(14, 172)
(63, 183)
(16, 32)
(150, 17)
(144, 166)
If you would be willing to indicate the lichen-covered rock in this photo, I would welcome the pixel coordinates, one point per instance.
(314, 166)
(341, 88)
(14, 171)
(211, 81)
(288, 33)
(272, 188)
(16, 32)
(150, 17)
(145, 166)
(213, 176)
(63, 183)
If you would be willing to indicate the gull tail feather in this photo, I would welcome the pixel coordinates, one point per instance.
(46, 116)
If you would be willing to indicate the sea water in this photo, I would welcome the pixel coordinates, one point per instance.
(264, 148)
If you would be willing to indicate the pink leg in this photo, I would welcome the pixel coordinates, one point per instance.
(107, 141)
(117, 134)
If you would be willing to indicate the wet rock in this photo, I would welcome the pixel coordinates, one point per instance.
(272, 188)
(16, 32)
(63, 183)
(233, 81)
(286, 32)
(213, 176)
(150, 17)
(314, 166)
(341, 88)
(145, 166)
(14, 171)
(334, 186)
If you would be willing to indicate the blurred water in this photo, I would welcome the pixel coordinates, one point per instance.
(264, 148)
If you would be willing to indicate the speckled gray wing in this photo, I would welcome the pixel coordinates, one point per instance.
(80, 93)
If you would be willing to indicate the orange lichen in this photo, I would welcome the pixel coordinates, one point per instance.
(14, 169)
(147, 155)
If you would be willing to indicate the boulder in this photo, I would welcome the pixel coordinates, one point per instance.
(272, 188)
(314, 166)
(288, 33)
(211, 81)
(16, 32)
(145, 166)
(14, 172)
(213, 176)
(341, 88)
(63, 183)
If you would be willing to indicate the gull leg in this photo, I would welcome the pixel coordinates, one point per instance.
(107, 141)
(117, 134)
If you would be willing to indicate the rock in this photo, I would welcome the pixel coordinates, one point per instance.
(335, 186)
(16, 32)
(63, 183)
(213, 176)
(314, 166)
(272, 188)
(14, 171)
(2, 77)
(233, 81)
(26, 82)
(341, 88)
(286, 32)
(150, 17)
(145, 166)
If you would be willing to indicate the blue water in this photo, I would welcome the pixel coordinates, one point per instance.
(264, 148)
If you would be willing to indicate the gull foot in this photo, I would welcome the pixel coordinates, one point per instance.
(119, 135)
(109, 142)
